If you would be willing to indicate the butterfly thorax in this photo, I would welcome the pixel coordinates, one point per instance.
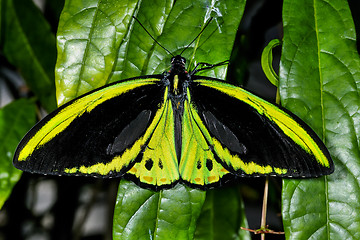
(178, 77)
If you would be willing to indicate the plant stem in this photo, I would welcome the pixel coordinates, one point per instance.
(264, 207)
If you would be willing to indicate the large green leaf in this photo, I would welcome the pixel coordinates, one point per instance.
(16, 119)
(99, 42)
(144, 214)
(319, 81)
(29, 45)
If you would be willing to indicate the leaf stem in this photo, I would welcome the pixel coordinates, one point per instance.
(264, 207)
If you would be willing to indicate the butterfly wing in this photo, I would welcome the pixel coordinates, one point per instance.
(106, 133)
(197, 166)
(159, 165)
(248, 136)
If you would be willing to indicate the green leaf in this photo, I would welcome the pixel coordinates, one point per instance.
(176, 31)
(144, 214)
(29, 45)
(16, 119)
(222, 216)
(90, 34)
(99, 42)
(320, 82)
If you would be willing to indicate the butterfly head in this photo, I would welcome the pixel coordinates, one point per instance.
(178, 64)
(177, 75)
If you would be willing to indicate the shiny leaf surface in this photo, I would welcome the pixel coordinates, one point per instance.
(216, 220)
(144, 214)
(319, 81)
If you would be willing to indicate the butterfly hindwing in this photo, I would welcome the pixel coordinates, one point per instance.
(159, 164)
(197, 164)
(249, 136)
(103, 133)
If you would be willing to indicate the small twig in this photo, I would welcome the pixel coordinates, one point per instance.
(264, 228)
(262, 231)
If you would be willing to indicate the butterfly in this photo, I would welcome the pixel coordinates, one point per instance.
(177, 126)
(158, 130)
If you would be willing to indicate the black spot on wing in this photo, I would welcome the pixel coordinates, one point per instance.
(160, 164)
(198, 164)
(209, 164)
(149, 164)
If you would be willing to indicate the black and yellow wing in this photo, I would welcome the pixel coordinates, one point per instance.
(125, 127)
(230, 130)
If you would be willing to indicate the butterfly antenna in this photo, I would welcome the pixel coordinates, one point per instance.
(152, 37)
(208, 22)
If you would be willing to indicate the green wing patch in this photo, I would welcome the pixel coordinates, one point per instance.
(197, 165)
(159, 164)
